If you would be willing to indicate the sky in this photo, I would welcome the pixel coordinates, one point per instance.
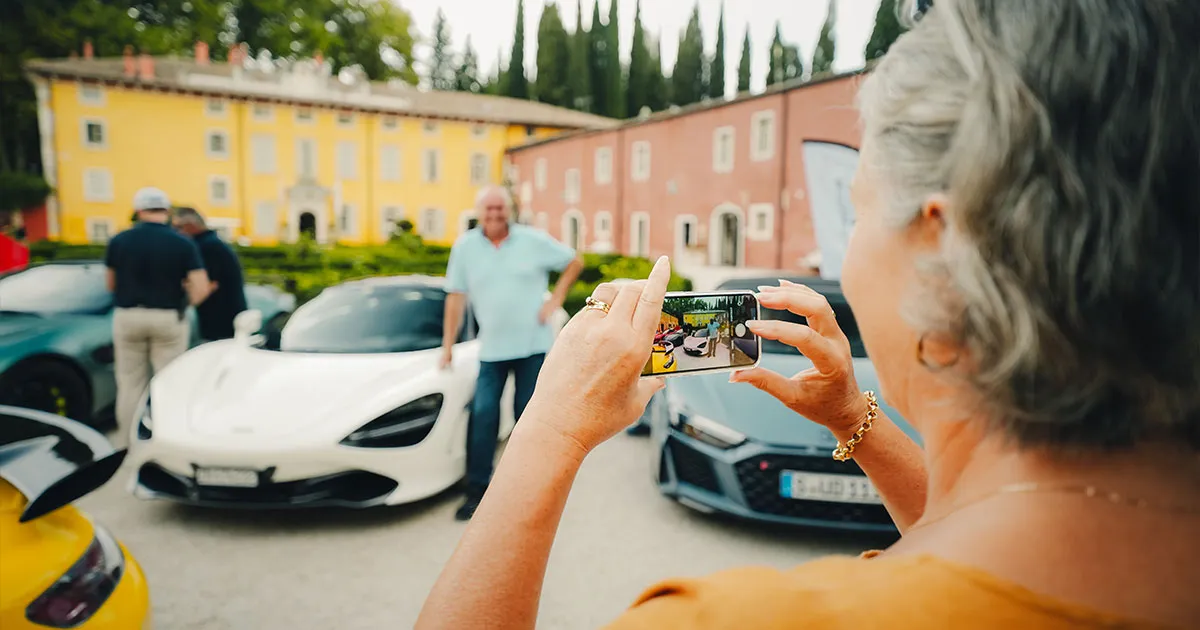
(490, 24)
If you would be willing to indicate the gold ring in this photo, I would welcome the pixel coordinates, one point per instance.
(592, 304)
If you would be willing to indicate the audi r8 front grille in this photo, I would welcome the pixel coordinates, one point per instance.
(692, 467)
(353, 488)
(759, 478)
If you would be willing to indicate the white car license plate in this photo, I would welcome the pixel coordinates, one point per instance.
(227, 477)
(794, 484)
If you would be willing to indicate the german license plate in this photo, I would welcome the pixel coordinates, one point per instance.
(227, 477)
(794, 484)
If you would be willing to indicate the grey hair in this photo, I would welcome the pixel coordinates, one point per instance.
(493, 188)
(1066, 135)
(190, 215)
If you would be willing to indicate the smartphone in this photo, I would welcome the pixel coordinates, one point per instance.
(705, 332)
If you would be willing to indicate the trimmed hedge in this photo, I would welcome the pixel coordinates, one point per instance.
(305, 269)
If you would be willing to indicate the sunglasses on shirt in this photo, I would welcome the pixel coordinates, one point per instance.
(920, 8)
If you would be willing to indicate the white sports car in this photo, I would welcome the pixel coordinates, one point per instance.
(350, 409)
(697, 342)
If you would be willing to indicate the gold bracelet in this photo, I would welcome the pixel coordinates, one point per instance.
(843, 452)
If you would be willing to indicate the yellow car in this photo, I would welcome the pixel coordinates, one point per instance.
(58, 569)
(662, 360)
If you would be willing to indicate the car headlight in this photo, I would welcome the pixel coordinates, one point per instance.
(84, 588)
(145, 425)
(708, 431)
(403, 426)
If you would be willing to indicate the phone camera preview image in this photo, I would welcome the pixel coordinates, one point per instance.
(704, 332)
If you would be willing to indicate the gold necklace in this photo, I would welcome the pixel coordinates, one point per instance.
(1088, 491)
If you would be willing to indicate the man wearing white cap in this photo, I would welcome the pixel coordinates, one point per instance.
(154, 273)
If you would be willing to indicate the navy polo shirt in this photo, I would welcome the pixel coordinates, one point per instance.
(151, 261)
(217, 312)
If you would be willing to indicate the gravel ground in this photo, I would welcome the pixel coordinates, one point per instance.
(347, 570)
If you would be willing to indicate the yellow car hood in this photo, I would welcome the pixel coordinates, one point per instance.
(36, 553)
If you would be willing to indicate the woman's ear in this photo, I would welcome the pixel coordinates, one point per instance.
(930, 223)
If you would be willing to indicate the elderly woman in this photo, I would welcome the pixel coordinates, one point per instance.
(1025, 272)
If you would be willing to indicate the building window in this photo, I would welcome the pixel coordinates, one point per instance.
(762, 222)
(530, 130)
(95, 134)
(215, 107)
(389, 219)
(218, 190)
(304, 115)
(723, 150)
(525, 218)
(266, 221)
(216, 144)
(262, 111)
(603, 226)
(639, 235)
(97, 184)
(526, 193)
(572, 229)
(430, 127)
(262, 150)
(572, 192)
(479, 132)
(348, 221)
(347, 160)
(640, 164)
(225, 229)
(543, 221)
(389, 163)
(99, 230)
(91, 94)
(389, 123)
(539, 174)
(479, 169)
(512, 172)
(306, 157)
(604, 165)
(686, 231)
(345, 119)
(431, 166)
(762, 127)
(433, 223)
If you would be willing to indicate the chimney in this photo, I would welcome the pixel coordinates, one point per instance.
(130, 68)
(89, 52)
(145, 67)
(236, 57)
(202, 53)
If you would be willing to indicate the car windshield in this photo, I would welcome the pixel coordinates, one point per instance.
(703, 332)
(365, 318)
(56, 289)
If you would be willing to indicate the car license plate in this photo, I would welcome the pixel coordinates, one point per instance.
(794, 484)
(227, 477)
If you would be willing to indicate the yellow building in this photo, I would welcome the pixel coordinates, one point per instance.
(268, 152)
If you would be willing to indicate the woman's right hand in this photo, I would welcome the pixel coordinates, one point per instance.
(826, 393)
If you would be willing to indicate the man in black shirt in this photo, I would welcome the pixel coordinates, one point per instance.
(229, 296)
(154, 273)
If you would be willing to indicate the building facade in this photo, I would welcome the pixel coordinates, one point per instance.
(270, 151)
(760, 181)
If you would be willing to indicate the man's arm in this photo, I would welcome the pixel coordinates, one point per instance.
(456, 305)
(110, 280)
(198, 286)
(566, 280)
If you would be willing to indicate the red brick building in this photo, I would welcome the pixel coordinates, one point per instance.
(712, 185)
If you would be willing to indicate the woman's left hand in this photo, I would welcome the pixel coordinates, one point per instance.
(590, 387)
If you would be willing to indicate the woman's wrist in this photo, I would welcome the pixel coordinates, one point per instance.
(554, 442)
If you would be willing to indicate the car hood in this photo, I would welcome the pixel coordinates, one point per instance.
(234, 391)
(759, 415)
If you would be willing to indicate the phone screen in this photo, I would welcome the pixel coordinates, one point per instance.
(704, 332)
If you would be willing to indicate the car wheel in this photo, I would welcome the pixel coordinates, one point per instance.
(47, 386)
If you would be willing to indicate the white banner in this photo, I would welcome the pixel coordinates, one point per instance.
(829, 169)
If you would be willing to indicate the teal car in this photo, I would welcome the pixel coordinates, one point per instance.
(56, 344)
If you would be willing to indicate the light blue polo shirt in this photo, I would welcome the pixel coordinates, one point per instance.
(506, 287)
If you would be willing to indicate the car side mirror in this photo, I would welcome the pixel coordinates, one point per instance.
(247, 324)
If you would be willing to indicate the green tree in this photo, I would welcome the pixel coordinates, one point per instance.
(466, 77)
(826, 48)
(785, 63)
(553, 59)
(658, 95)
(494, 84)
(615, 72)
(687, 80)
(516, 84)
(716, 69)
(441, 63)
(598, 61)
(637, 94)
(580, 62)
(887, 29)
(744, 65)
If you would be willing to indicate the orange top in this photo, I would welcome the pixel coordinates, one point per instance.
(900, 593)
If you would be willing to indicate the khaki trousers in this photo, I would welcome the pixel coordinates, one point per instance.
(143, 339)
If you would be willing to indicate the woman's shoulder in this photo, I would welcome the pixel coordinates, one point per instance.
(918, 591)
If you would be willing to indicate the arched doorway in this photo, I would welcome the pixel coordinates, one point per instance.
(308, 225)
(726, 243)
(572, 230)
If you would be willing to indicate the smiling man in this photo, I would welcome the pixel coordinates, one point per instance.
(503, 268)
